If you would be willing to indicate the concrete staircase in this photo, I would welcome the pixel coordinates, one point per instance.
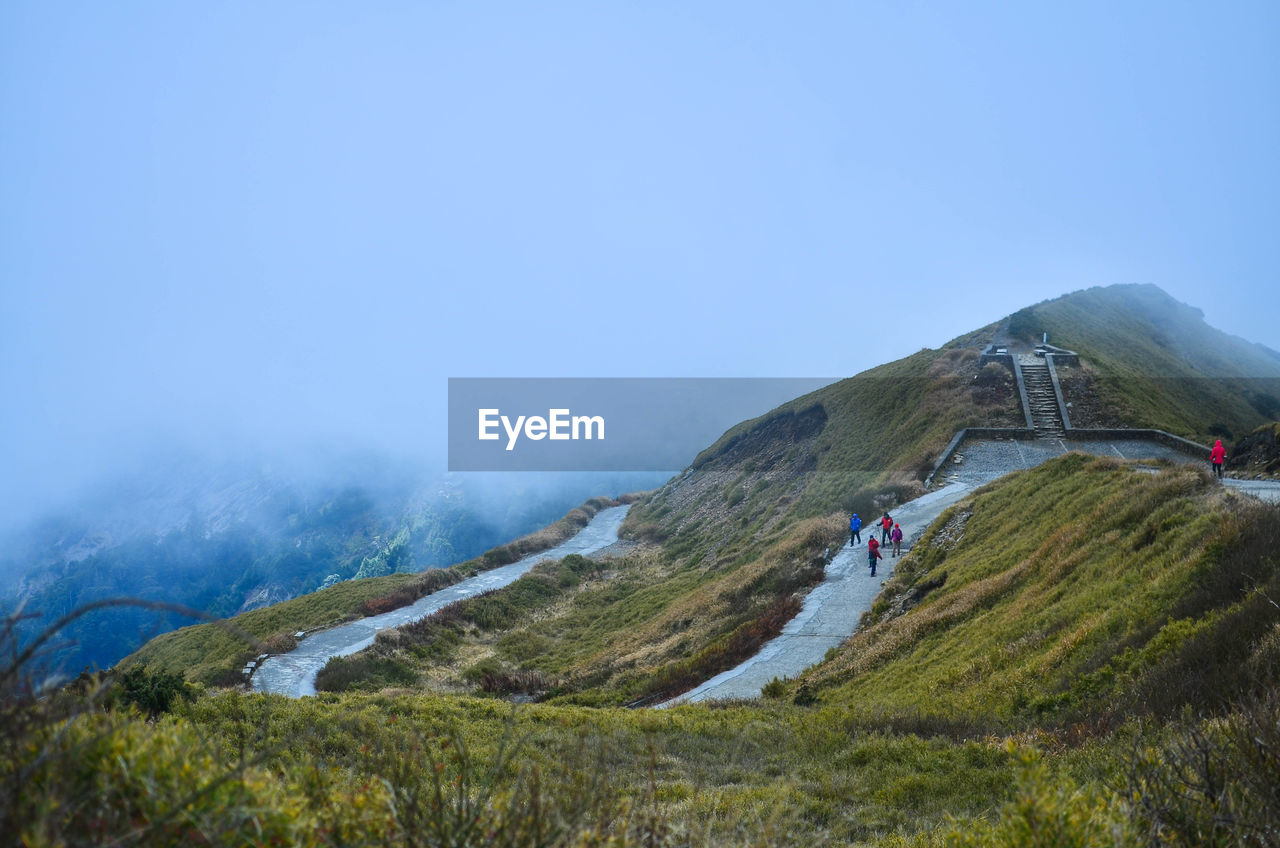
(1045, 415)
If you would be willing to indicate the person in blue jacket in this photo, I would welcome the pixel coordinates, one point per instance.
(855, 526)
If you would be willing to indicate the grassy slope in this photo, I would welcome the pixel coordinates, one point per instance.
(612, 632)
(213, 653)
(1037, 620)
(1159, 364)
(1151, 567)
(861, 444)
(1078, 595)
(1032, 616)
(737, 537)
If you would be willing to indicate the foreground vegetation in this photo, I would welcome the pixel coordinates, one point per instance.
(1081, 654)
(1107, 679)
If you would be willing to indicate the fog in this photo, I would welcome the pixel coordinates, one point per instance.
(273, 232)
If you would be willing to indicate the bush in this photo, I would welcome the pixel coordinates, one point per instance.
(1211, 783)
(279, 643)
(152, 692)
(774, 689)
(992, 385)
(1045, 813)
(364, 670)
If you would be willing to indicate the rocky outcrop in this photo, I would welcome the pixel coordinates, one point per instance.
(1257, 453)
(264, 595)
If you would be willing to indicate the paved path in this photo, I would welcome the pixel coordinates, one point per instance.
(983, 461)
(294, 673)
(832, 610)
(1267, 490)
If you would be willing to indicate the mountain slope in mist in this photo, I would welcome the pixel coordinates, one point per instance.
(1155, 362)
(223, 540)
(728, 545)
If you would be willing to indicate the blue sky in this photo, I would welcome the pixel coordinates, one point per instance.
(277, 223)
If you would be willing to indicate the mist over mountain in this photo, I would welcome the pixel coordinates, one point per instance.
(223, 537)
(728, 545)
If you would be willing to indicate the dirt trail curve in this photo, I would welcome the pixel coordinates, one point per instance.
(831, 611)
(294, 673)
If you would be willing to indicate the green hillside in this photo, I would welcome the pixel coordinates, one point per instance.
(999, 708)
(867, 442)
(724, 547)
(721, 562)
(1085, 653)
(1158, 364)
(214, 652)
(600, 632)
(1154, 593)
(864, 444)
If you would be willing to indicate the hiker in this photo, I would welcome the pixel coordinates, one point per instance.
(1218, 456)
(873, 553)
(886, 524)
(896, 536)
(855, 530)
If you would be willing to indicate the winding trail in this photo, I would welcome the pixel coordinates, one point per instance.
(831, 611)
(294, 673)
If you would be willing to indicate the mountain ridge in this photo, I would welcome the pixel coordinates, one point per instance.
(1086, 652)
(775, 490)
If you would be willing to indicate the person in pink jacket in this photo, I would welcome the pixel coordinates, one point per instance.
(1218, 456)
(896, 536)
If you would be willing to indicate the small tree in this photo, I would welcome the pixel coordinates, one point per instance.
(152, 692)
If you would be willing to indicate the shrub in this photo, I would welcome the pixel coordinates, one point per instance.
(1211, 783)
(386, 603)
(279, 643)
(774, 689)
(1045, 813)
(364, 670)
(153, 692)
(992, 385)
(514, 683)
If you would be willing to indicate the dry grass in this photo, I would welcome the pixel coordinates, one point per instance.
(1070, 591)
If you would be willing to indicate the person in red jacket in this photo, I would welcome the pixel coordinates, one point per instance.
(873, 553)
(886, 524)
(1218, 456)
